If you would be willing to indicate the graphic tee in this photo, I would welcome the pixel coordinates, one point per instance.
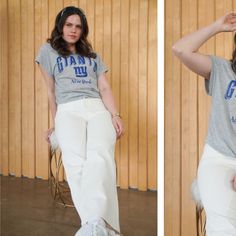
(75, 76)
(222, 125)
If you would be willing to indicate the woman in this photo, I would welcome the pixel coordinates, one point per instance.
(217, 168)
(87, 122)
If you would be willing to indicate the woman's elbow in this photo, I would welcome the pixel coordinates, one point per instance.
(51, 93)
(177, 50)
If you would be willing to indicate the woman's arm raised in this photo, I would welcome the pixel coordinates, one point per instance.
(186, 49)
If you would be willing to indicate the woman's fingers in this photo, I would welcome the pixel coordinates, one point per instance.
(47, 134)
(121, 127)
(115, 126)
(118, 125)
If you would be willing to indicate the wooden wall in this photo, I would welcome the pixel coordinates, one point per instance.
(187, 107)
(123, 32)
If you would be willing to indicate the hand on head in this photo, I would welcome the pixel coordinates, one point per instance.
(227, 23)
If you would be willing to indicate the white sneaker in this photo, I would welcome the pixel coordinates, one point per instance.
(93, 228)
(85, 230)
(112, 232)
(99, 228)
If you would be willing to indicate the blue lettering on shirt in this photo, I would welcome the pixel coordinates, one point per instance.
(63, 62)
(95, 66)
(90, 61)
(81, 60)
(80, 71)
(80, 81)
(59, 64)
(72, 61)
(233, 119)
(66, 61)
(231, 90)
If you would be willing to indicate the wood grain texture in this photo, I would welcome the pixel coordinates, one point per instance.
(107, 37)
(172, 162)
(41, 101)
(4, 101)
(14, 77)
(124, 87)
(27, 75)
(142, 95)
(152, 96)
(133, 93)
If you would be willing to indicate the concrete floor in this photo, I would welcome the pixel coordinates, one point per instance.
(27, 209)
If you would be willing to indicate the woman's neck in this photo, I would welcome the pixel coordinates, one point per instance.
(72, 48)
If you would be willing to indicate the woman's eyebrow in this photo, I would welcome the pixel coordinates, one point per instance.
(68, 22)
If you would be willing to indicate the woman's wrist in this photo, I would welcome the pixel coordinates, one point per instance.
(116, 114)
(216, 28)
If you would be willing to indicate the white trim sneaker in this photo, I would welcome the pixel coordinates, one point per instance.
(85, 230)
(95, 227)
(99, 228)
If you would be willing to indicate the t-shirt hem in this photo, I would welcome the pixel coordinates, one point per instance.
(78, 98)
(226, 154)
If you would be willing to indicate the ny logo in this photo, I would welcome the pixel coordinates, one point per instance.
(81, 71)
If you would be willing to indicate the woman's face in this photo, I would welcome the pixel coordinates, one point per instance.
(72, 29)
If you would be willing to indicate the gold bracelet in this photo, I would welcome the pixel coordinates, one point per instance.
(116, 114)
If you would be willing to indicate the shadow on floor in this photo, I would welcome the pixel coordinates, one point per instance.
(27, 209)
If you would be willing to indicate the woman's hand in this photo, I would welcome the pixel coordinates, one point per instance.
(227, 23)
(234, 183)
(48, 133)
(119, 126)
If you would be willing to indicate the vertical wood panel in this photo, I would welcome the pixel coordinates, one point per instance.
(107, 37)
(27, 74)
(152, 95)
(83, 5)
(172, 121)
(133, 94)
(189, 124)
(41, 102)
(127, 45)
(124, 86)
(71, 3)
(142, 94)
(14, 88)
(4, 89)
(98, 45)
(90, 18)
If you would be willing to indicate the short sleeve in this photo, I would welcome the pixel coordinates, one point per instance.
(101, 66)
(217, 64)
(43, 58)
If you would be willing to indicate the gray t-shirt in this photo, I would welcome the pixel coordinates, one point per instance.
(75, 76)
(222, 87)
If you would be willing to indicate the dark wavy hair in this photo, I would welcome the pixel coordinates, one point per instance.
(233, 60)
(83, 47)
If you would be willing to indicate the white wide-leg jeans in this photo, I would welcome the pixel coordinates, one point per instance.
(215, 174)
(87, 139)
